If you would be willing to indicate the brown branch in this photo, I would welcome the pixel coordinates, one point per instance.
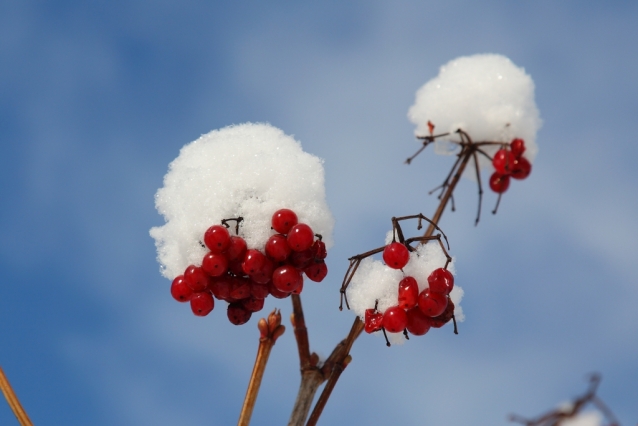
(311, 375)
(335, 364)
(270, 331)
(13, 401)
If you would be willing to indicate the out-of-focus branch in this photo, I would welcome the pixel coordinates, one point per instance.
(13, 401)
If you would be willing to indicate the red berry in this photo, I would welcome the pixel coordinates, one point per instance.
(283, 220)
(253, 304)
(394, 319)
(373, 320)
(180, 290)
(236, 249)
(220, 287)
(202, 303)
(499, 183)
(217, 238)
(277, 248)
(319, 250)
(264, 273)
(259, 291)
(276, 292)
(300, 237)
(240, 288)
(316, 271)
(196, 278)
(253, 261)
(236, 267)
(396, 255)
(408, 293)
(301, 259)
(518, 147)
(237, 314)
(503, 161)
(522, 168)
(287, 278)
(418, 322)
(432, 304)
(299, 289)
(215, 264)
(445, 317)
(441, 281)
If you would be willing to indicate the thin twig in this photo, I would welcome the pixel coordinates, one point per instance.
(342, 358)
(311, 375)
(270, 331)
(13, 401)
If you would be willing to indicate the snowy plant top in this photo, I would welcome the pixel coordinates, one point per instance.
(485, 95)
(375, 281)
(250, 171)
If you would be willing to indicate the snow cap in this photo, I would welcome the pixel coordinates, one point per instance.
(249, 170)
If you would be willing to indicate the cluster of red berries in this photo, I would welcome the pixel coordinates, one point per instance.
(244, 277)
(509, 162)
(415, 312)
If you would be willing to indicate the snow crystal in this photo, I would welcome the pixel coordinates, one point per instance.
(249, 170)
(485, 95)
(375, 282)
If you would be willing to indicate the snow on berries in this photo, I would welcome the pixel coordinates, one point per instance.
(486, 96)
(419, 295)
(246, 217)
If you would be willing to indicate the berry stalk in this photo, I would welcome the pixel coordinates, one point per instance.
(13, 401)
(270, 331)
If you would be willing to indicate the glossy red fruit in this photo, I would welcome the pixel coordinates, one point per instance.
(441, 281)
(319, 250)
(408, 293)
(236, 249)
(180, 290)
(503, 161)
(196, 278)
(253, 304)
(259, 291)
(373, 320)
(522, 168)
(418, 323)
(299, 289)
(240, 288)
(300, 237)
(301, 259)
(432, 304)
(264, 273)
(518, 147)
(499, 183)
(202, 303)
(215, 264)
(277, 248)
(395, 319)
(283, 220)
(276, 293)
(287, 278)
(396, 255)
(217, 238)
(316, 271)
(237, 268)
(253, 261)
(237, 314)
(220, 287)
(445, 317)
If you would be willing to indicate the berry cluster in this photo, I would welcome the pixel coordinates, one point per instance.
(415, 312)
(244, 277)
(509, 162)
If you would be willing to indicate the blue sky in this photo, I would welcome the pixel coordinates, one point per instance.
(96, 98)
